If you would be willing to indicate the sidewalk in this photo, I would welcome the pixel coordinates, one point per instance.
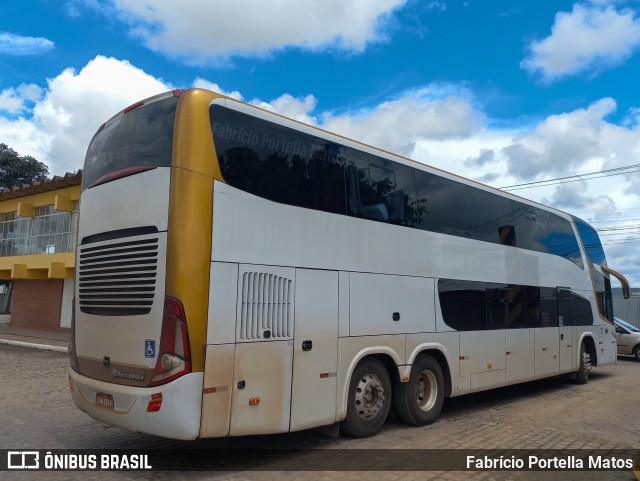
(37, 339)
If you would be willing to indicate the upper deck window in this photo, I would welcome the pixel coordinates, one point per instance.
(591, 242)
(297, 168)
(141, 137)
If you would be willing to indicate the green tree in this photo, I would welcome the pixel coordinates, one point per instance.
(16, 170)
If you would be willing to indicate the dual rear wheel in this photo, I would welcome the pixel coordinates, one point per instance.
(417, 402)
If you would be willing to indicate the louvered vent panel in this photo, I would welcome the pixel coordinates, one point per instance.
(266, 306)
(118, 279)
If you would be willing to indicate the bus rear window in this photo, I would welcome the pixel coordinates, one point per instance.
(139, 138)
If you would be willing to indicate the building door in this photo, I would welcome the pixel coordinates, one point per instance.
(66, 308)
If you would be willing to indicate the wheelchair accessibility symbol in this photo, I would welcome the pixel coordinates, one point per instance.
(150, 348)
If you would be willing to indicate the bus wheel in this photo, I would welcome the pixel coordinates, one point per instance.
(369, 399)
(420, 400)
(582, 374)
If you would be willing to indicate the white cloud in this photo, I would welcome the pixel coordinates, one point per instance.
(439, 125)
(214, 87)
(14, 100)
(582, 140)
(435, 112)
(296, 108)
(201, 31)
(27, 138)
(589, 38)
(74, 105)
(573, 197)
(440, 6)
(12, 44)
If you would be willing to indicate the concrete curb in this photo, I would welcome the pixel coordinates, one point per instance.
(45, 347)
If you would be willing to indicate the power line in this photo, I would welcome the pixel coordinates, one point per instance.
(619, 219)
(574, 178)
(619, 228)
(627, 234)
(632, 241)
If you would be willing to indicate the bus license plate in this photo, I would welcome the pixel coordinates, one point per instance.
(104, 400)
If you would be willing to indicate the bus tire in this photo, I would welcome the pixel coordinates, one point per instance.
(636, 352)
(369, 399)
(582, 374)
(420, 400)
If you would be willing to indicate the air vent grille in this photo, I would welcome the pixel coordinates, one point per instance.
(266, 306)
(118, 279)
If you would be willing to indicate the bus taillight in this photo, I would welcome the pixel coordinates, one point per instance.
(174, 355)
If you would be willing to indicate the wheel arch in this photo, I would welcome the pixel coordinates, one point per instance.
(441, 354)
(590, 344)
(387, 356)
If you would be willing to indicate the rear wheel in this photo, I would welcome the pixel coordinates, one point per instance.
(582, 374)
(369, 399)
(420, 400)
(636, 352)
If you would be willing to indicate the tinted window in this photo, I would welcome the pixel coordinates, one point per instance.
(505, 306)
(591, 243)
(530, 225)
(443, 204)
(508, 306)
(141, 137)
(497, 304)
(581, 310)
(602, 286)
(295, 168)
(595, 255)
(561, 240)
(548, 307)
(533, 307)
(380, 189)
(574, 309)
(491, 218)
(278, 163)
(463, 304)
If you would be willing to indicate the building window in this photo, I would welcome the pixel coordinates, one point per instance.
(48, 232)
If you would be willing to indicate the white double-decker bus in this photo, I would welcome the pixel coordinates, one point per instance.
(242, 273)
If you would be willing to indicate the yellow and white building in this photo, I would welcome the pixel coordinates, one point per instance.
(38, 230)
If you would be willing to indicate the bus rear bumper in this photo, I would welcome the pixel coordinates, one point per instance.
(178, 416)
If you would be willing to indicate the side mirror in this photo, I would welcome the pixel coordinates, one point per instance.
(626, 290)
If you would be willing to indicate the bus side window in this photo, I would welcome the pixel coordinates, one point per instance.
(441, 205)
(353, 189)
(379, 190)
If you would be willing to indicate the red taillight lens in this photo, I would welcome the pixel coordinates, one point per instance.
(119, 174)
(155, 403)
(133, 107)
(174, 355)
(73, 357)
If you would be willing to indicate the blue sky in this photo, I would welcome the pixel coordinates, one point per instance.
(504, 92)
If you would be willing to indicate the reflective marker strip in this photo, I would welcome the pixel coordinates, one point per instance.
(462, 358)
(324, 375)
(211, 390)
(544, 349)
(508, 353)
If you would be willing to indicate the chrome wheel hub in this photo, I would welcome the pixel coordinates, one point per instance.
(426, 390)
(369, 398)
